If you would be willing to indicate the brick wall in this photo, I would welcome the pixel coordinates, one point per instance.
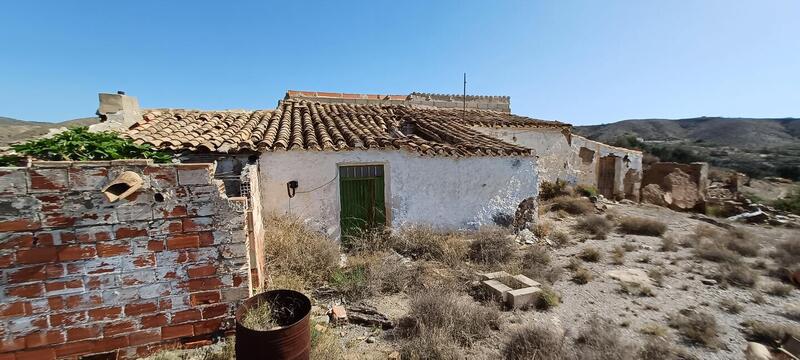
(84, 276)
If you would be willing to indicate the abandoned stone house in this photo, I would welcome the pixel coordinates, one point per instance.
(340, 160)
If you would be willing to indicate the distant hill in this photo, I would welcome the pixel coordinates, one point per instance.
(14, 130)
(743, 133)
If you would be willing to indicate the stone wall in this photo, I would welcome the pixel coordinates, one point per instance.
(82, 275)
(697, 171)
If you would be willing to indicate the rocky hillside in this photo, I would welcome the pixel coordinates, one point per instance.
(18, 130)
(744, 133)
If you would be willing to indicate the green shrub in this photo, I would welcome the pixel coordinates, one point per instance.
(81, 145)
(586, 190)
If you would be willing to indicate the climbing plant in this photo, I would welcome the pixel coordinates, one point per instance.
(81, 145)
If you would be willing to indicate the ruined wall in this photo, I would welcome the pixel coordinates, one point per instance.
(447, 192)
(573, 158)
(698, 172)
(81, 275)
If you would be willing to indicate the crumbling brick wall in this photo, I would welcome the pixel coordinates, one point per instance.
(81, 275)
(698, 172)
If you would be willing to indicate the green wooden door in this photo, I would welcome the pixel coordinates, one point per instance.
(362, 200)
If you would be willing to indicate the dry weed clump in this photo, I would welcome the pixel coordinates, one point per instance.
(731, 306)
(787, 256)
(296, 251)
(601, 339)
(735, 274)
(742, 242)
(423, 242)
(324, 345)
(642, 226)
(549, 190)
(779, 289)
(492, 246)
(697, 327)
(572, 205)
(768, 332)
(560, 238)
(371, 274)
(547, 298)
(668, 244)
(536, 264)
(590, 254)
(582, 276)
(595, 225)
(456, 317)
(654, 329)
(542, 229)
(436, 345)
(618, 255)
(659, 348)
(636, 289)
(656, 275)
(714, 251)
(536, 342)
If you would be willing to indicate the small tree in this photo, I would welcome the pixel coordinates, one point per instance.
(81, 145)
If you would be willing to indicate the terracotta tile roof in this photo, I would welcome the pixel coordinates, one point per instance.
(305, 125)
(487, 118)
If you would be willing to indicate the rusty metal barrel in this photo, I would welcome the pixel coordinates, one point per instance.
(291, 340)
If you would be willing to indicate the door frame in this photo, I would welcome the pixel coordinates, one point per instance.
(387, 198)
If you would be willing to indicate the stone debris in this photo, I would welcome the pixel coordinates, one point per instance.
(630, 275)
(708, 281)
(366, 315)
(756, 351)
(395, 355)
(526, 237)
(371, 340)
(338, 314)
(320, 328)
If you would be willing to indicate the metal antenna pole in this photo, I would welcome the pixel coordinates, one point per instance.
(465, 93)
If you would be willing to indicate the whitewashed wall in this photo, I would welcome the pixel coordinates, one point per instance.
(443, 191)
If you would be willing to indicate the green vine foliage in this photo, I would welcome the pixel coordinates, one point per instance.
(81, 145)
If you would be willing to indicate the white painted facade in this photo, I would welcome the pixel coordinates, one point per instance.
(446, 192)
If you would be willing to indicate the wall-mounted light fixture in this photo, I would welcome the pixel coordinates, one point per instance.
(291, 187)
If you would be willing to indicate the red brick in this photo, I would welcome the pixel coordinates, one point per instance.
(185, 316)
(63, 285)
(6, 261)
(207, 327)
(76, 252)
(85, 332)
(13, 344)
(17, 241)
(201, 271)
(26, 291)
(129, 232)
(44, 338)
(207, 297)
(70, 318)
(48, 179)
(151, 321)
(37, 255)
(107, 250)
(177, 331)
(211, 283)
(108, 344)
(183, 242)
(75, 348)
(51, 202)
(15, 309)
(105, 313)
(155, 245)
(41, 354)
(165, 304)
(118, 327)
(215, 311)
(144, 337)
(7, 356)
(93, 234)
(19, 225)
(27, 274)
(139, 309)
(144, 261)
(206, 238)
(196, 224)
(54, 271)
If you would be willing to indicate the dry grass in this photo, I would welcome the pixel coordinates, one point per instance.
(618, 255)
(697, 327)
(716, 252)
(222, 350)
(582, 276)
(742, 242)
(635, 289)
(787, 255)
(595, 225)
(549, 190)
(560, 238)
(571, 205)
(735, 274)
(654, 329)
(542, 229)
(779, 289)
(659, 348)
(459, 318)
(324, 345)
(642, 226)
(296, 251)
(731, 306)
(656, 275)
(259, 318)
(536, 264)
(536, 342)
(590, 254)
(436, 344)
(492, 246)
(727, 246)
(792, 311)
(547, 298)
(769, 333)
(426, 243)
(601, 339)
(668, 244)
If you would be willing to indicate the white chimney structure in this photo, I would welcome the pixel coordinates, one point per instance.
(117, 112)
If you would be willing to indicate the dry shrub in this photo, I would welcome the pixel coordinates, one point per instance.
(642, 226)
(656, 275)
(582, 276)
(537, 255)
(668, 244)
(596, 225)
(714, 251)
(292, 249)
(778, 289)
(600, 339)
(434, 345)
(659, 348)
(697, 327)
(547, 298)
(725, 247)
(635, 289)
(586, 190)
(560, 238)
(787, 254)
(324, 345)
(792, 311)
(768, 332)
(536, 265)
(456, 317)
(704, 231)
(731, 306)
(433, 275)
(590, 254)
(536, 342)
(368, 241)
(542, 229)
(574, 264)
(735, 274)
(492, 246)
(654, 329)
(571, 205)
(618, 255)
(549, 190)
(742, 242)
(423, 242)
(371, 274)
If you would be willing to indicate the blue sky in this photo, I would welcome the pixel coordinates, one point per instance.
(583, 62)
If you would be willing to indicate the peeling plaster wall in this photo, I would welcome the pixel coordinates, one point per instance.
(560, 159)
(441, 191)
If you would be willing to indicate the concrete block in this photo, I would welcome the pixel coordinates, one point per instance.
(527, 281)
(87, 178)
(497, 289)
(13, 181)
(194, 174)
(521, 297)
(494, 275)
(47, 180)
